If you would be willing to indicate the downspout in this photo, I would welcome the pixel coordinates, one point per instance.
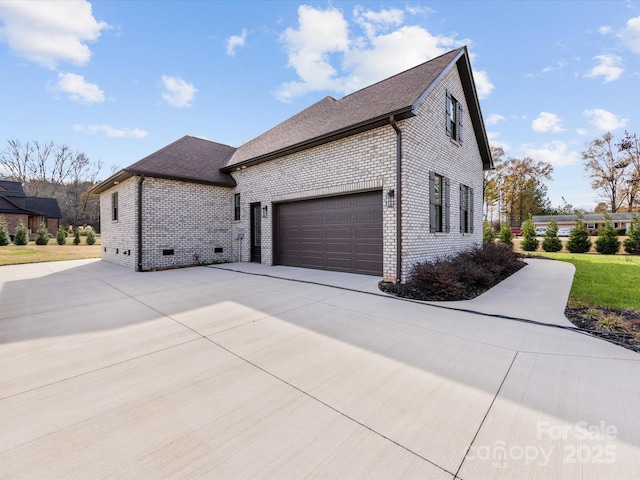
(140, 180)
(393, 123)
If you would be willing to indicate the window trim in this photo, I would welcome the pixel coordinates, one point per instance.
(444, 206)
(453, 118)
(236, 207)
(466, 226)
(114, 207)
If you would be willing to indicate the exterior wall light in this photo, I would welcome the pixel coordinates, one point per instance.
(390, 199)
(265, 211)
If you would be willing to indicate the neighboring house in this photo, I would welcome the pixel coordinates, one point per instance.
(372, 183)
(15, 205)
(592, 221)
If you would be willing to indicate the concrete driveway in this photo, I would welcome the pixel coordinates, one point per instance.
(247, 371)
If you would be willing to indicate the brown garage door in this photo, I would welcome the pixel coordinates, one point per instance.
(335, 233)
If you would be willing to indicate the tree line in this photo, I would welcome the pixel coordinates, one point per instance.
(46, 169)
(516, 188)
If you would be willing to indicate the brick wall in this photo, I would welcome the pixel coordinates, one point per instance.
(362, 162)
(184, 224)
(429, 148)
(13, 219)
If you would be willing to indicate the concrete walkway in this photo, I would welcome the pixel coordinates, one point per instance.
(215, 373)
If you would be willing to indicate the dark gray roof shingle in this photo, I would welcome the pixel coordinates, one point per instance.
(395, 95)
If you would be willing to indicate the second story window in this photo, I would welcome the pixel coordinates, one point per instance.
(236, 206)
(453, 118)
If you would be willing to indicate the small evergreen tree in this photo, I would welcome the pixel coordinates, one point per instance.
(579, 241)
(505, 236)
(76, 236)
(552, 242)
(91, 237)
(61, 237)
(4, 232)
(607, 242)
(43, 235)
(488, 235)
(529, 240)
(632, 242)
(22, 234)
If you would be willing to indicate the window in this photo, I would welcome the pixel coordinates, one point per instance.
(438, 203)
(114, 206)
(236, 206)
(466, 209)
(454, 118)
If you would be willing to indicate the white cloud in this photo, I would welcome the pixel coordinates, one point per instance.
(610, 68)
(630, 34)
(236, 41)
(581, 131)
(177, 92)
(50, 32)
(605, 30)
(556, 153)
(560, 64)
(495, 141)
(483, 84)
(112, 132)
(605, 121)
(547, 122)
(78, 89)
(326, 57)
(493, 119)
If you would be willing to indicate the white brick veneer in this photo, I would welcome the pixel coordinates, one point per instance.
(362, 162)
(189, 218)
(193, 219)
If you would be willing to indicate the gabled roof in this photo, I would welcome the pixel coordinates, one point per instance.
(47, 207)
(189, 159)
(11, 189)
(331, 119)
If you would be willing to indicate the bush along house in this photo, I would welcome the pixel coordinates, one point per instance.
(371, 183)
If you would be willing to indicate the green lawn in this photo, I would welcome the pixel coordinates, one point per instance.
(32, 253)
(603, 280)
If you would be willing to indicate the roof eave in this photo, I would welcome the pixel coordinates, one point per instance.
(230, 184)
(370, 124)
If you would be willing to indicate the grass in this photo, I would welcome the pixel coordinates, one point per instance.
(603, 280)
(15, 254)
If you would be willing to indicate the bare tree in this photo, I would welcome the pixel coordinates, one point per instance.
(630, 147)
(607, 168)
(57, 171)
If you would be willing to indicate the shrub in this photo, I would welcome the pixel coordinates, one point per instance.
(91, 237)
(76, 237)
(4, 232)
(42, 237)
(551, 242)
(632, 242)
(529, 240)
(462, 276)
(488, 235)
(61, 237)
(607, 242)
(579, 241)
(505, 236)
(22, 234)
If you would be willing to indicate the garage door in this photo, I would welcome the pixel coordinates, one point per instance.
(335, 233)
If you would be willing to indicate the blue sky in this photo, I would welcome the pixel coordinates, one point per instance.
(119, 80)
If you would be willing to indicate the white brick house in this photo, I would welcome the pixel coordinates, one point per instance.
(371, 183)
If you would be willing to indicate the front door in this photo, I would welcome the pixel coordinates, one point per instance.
(256, 233)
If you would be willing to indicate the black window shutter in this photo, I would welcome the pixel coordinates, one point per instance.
(461, 208)
(447, 212)
(459, 122)
(471, 210)
(432, 202)
(447, 114)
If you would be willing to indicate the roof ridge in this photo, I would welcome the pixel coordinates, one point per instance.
(450, 52)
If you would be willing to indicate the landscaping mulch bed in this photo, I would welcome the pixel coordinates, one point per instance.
(629, 320)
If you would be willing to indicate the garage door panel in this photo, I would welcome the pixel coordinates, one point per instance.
(341, 233)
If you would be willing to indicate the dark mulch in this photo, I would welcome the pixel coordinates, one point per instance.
(583, 317)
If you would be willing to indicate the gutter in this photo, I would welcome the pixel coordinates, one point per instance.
(393, 123)
(140, 181)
